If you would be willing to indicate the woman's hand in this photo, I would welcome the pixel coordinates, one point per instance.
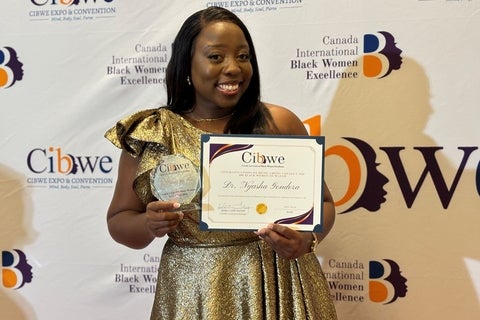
(160, 219)
(286, 242)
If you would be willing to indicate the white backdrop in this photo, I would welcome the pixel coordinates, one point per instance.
(402, 158)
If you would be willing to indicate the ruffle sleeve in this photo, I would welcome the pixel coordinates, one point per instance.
(132, 133)
(145, 135)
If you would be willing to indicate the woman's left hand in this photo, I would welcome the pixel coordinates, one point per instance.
(286, 242)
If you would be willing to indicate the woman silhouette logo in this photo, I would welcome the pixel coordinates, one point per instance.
(381, 57)
(11, 69)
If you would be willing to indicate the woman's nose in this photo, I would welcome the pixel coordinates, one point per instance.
(232, 66)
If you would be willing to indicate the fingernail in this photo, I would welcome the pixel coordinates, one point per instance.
(176, 205)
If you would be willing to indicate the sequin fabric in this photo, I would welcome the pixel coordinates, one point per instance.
(216, 275)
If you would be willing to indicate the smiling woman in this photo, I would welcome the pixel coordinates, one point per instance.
(221, 69)
(213, 86)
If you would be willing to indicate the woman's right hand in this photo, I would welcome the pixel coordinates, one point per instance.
(161, 217)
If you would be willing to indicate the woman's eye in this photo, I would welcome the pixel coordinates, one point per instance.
(244, 57)
(215, 57)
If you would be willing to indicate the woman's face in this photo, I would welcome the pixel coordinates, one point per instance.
(221, 68)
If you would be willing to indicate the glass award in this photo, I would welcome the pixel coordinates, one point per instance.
(175, 178)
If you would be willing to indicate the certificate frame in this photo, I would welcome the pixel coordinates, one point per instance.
(249, 181)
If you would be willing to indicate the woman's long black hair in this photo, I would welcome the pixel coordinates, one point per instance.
(250, 115)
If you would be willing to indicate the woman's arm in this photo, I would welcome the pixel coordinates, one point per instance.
(285, 241)
(129, 221)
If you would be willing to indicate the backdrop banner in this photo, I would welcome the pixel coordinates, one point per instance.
(392, 85)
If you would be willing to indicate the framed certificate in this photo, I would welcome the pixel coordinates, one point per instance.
(248, 181)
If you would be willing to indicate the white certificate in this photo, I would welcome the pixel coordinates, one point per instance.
(248, 181)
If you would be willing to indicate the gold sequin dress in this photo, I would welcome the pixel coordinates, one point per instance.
(216, 275)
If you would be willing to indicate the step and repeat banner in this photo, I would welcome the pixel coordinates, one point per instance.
(393, 85)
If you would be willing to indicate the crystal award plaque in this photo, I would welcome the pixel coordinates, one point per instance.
(175, 178)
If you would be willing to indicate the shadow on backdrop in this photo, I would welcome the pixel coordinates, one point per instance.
(15, 233)
(370, 115)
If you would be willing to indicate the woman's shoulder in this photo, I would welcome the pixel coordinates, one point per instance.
(285, 120)
(141, 126)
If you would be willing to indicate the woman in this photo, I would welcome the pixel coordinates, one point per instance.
(213, 86)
